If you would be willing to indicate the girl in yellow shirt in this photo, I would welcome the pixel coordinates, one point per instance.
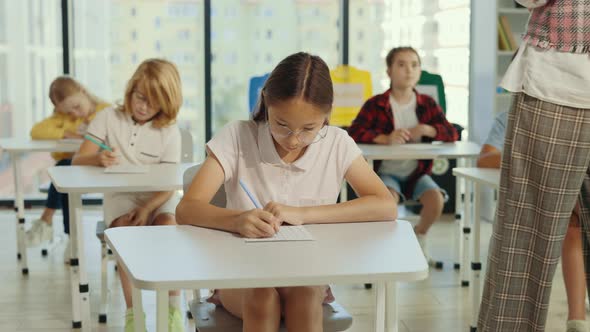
(75, 107)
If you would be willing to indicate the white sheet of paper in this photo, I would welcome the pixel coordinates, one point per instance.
(287, 233)
(126, 169)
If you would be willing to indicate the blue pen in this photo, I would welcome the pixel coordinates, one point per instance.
(250, 195)
(97, 142)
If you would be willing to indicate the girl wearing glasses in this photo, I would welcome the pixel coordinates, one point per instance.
(141, 131)
(294, 163)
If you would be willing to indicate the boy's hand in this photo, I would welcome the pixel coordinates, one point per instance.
(288, 214)
(257, 224)
(400, 136)
(107, 158)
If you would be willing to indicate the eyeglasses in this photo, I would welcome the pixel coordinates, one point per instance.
(304, 136)
(140, 99)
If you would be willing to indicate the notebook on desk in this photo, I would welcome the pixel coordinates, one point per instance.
(126, 169)
(287, 233)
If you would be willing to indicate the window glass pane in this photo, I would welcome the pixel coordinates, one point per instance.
(369, 35)
(31, 55)
(113, 37)
(249, 38)
(438, 29)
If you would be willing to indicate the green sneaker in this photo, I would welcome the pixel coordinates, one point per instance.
(130, 321)
(175, 321)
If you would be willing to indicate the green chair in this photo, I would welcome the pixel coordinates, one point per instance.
(432, 85)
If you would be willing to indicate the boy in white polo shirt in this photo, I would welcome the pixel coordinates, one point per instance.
(293, 163)
(142, 131)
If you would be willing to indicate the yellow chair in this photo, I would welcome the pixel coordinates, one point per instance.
(352, 87)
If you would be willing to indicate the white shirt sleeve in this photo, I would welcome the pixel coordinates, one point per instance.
(172, 150)
(225, 146)
(98, 127)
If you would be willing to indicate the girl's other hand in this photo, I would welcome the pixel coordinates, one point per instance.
(288, 214)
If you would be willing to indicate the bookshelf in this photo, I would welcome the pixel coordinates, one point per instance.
(510, 21)
(488, 62)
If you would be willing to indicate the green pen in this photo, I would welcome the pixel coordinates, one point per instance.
(97, 142)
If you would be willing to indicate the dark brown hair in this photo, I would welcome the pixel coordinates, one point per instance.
(390, 58)
(300, 75)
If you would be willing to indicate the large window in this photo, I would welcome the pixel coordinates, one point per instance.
(370, 37)
(31, 55)
(111, 38)
(249, 38)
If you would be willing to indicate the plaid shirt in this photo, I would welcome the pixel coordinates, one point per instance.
(376, 118)
(560, 24)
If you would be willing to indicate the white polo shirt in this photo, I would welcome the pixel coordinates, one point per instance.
(246, 151)
(136, 144)
(139, 145)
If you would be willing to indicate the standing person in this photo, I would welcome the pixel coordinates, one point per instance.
(293, 163)
(74, 108)
(401, 115)
(141, 131)
(572, 259)
(544, 166)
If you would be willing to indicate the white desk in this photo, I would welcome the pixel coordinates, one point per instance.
(478, 176)
(186, 257)
(464, 152)
(78, 180)
(16, 148)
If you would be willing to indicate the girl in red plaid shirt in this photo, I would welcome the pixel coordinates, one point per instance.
(402, 115)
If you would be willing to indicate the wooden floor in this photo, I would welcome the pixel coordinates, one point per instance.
(41, 301)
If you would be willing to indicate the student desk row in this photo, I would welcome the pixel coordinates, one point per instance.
(388, 253)
(476, 178)
(16, 148)
(465, 153)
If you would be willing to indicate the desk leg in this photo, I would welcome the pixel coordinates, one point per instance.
(19, 207)
(476, 263)
(162, 310)
(79, 279)
(138, 318)
(380, 292)
(392, 314)
(468, 217)
(459, 204)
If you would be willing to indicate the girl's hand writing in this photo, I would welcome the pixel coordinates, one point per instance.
(257, 223)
